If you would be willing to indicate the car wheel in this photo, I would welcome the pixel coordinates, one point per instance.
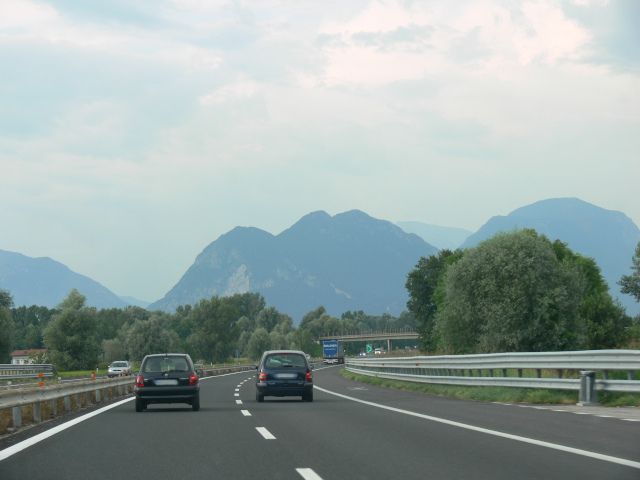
(259, 397)
(195, 404)
(140, 405)
(308, 397)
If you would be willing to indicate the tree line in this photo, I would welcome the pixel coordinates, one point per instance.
(519, 292)
(213, 330)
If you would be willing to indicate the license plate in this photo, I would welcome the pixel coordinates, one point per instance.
(166, 382)
(286, 376)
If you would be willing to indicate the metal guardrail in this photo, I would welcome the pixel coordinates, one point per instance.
(27, 370)
(459, 369)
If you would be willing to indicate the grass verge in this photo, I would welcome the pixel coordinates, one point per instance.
(498, 394)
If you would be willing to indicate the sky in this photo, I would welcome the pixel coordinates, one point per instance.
(134, 134)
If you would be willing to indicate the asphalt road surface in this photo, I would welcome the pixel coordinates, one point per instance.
(350, 431)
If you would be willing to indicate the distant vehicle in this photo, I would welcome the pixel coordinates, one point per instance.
(167, 378)
(119, 368)
(333, 351)
(284, 373)
(379, 351)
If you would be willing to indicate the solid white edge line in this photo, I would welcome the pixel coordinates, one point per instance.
(18, 447)
(265, 433)
(308, 474)
(577, 451)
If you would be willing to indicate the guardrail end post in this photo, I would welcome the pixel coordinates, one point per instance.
(588, 394)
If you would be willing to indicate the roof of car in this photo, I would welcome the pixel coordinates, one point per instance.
(283, 351)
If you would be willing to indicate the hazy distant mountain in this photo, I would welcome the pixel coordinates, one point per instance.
(439, 237)
(134, 301)
(608, 236)
(347, 262)
(45, 282)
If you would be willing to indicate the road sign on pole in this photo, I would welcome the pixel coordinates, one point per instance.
(369, 348)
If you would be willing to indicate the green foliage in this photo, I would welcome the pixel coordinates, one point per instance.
(70, 336)
(146, 337)
(422, 286)
(258, 343)
(510, 293)
(114, 349)
(631, 283)
(215, 337)
(6, 326)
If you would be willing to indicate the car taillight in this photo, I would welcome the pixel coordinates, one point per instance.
(140, 381)
(193, 379)
(262, 377)
(308, 377)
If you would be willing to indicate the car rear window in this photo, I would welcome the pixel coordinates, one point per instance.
(280, 360)
(119, 364)
(166, 364)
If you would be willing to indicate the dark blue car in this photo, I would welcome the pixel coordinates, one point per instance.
(284, 373)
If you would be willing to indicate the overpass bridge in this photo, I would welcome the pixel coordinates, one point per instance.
(388, 335)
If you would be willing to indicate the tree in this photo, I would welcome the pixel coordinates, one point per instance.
(631, 283)
(71, 334)
(510, 293)
(114, 349)
(146, 337)
(422, 284)
(268, 319)
(6, 326)
(215, 336)
(258, 344)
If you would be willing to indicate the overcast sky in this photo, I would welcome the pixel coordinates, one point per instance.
(135, 133)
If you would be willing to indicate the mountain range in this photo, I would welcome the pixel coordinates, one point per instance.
(349, 261)
(45, 282)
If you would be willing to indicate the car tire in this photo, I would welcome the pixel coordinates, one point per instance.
(140, 406)
(308, 397)
(195, 404)
(259, 397)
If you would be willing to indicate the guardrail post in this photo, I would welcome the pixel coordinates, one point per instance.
(54, 408)
(67, 403)
(78, 401)
(98, 395)
(37, 415)
(588, 393)
(17, 417)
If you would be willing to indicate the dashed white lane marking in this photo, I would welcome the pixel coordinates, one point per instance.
(265, 433)
(308, 474)
(239, 402)
(246, 413)
(555, 446)
(237, 389)
(236, 394)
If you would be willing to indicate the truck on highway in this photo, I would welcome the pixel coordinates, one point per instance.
(333, 351)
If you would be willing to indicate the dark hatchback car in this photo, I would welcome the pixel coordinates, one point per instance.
(284, 373)
(167, 378)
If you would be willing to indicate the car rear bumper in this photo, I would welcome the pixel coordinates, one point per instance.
(272, 389)
(181, 394)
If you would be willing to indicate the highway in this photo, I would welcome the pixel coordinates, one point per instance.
(350, 431)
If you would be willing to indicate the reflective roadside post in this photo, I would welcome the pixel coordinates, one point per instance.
(588, 394)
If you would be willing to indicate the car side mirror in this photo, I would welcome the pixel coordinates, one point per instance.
(254, 367)
(199, 372)
(136, 373)
(311, 367)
